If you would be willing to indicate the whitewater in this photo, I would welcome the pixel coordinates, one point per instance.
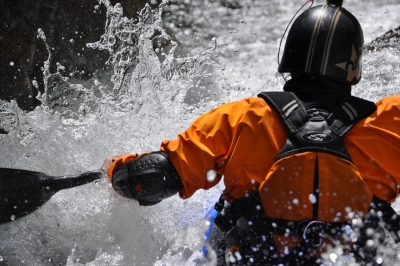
(209, 53)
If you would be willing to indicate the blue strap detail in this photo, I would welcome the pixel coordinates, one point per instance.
(210, 216)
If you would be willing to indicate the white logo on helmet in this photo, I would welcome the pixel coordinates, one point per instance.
(352, 66)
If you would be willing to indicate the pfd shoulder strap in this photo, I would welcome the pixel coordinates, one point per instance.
(350, 111)
(290, 108)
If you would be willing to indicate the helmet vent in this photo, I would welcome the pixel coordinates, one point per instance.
(334, 2)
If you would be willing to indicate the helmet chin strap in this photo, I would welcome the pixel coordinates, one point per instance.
(290, 22)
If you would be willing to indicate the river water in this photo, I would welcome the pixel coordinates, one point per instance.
(220, 51)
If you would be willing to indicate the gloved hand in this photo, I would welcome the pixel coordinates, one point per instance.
(147, 178)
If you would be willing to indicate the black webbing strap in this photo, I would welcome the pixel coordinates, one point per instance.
(289, 108)
(348, 113)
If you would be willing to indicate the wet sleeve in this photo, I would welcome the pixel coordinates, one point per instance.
(200, 153)
(386, 128)
(121, 160)
(375, 148)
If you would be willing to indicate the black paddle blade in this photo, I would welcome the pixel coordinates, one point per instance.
(23, 191)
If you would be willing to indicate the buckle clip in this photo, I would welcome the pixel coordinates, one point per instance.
(311, 232)
(219, 206)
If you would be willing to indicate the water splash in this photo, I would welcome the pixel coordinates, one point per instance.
(76, 127)
(123, 38)
(156, 94)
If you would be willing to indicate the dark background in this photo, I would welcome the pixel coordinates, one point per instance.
(61, 21)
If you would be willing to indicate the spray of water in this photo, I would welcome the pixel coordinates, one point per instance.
(157, 91)
(77, 127)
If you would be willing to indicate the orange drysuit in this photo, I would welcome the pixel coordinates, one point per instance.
(240, 141)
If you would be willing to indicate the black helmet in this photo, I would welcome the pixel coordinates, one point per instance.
(325, 40)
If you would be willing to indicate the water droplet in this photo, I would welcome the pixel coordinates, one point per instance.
(35, 84)
(11, 63)
(333, 257)
(12, 217)
(286, 250)
(1, 258)
(71, 41)
(370, 243)
(211, 175)
(296, 201)
(312, 198)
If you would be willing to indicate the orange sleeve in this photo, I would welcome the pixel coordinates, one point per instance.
(121, 160)
(374, 145)
(205, 146)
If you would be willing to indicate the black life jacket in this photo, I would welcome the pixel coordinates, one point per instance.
(317, 138)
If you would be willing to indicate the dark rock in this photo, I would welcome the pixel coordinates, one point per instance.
(68, 26)
(389, 39)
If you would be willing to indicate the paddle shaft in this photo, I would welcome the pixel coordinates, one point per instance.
(69, 181)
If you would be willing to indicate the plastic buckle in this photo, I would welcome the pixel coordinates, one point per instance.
(218, 206)
(311, 232)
